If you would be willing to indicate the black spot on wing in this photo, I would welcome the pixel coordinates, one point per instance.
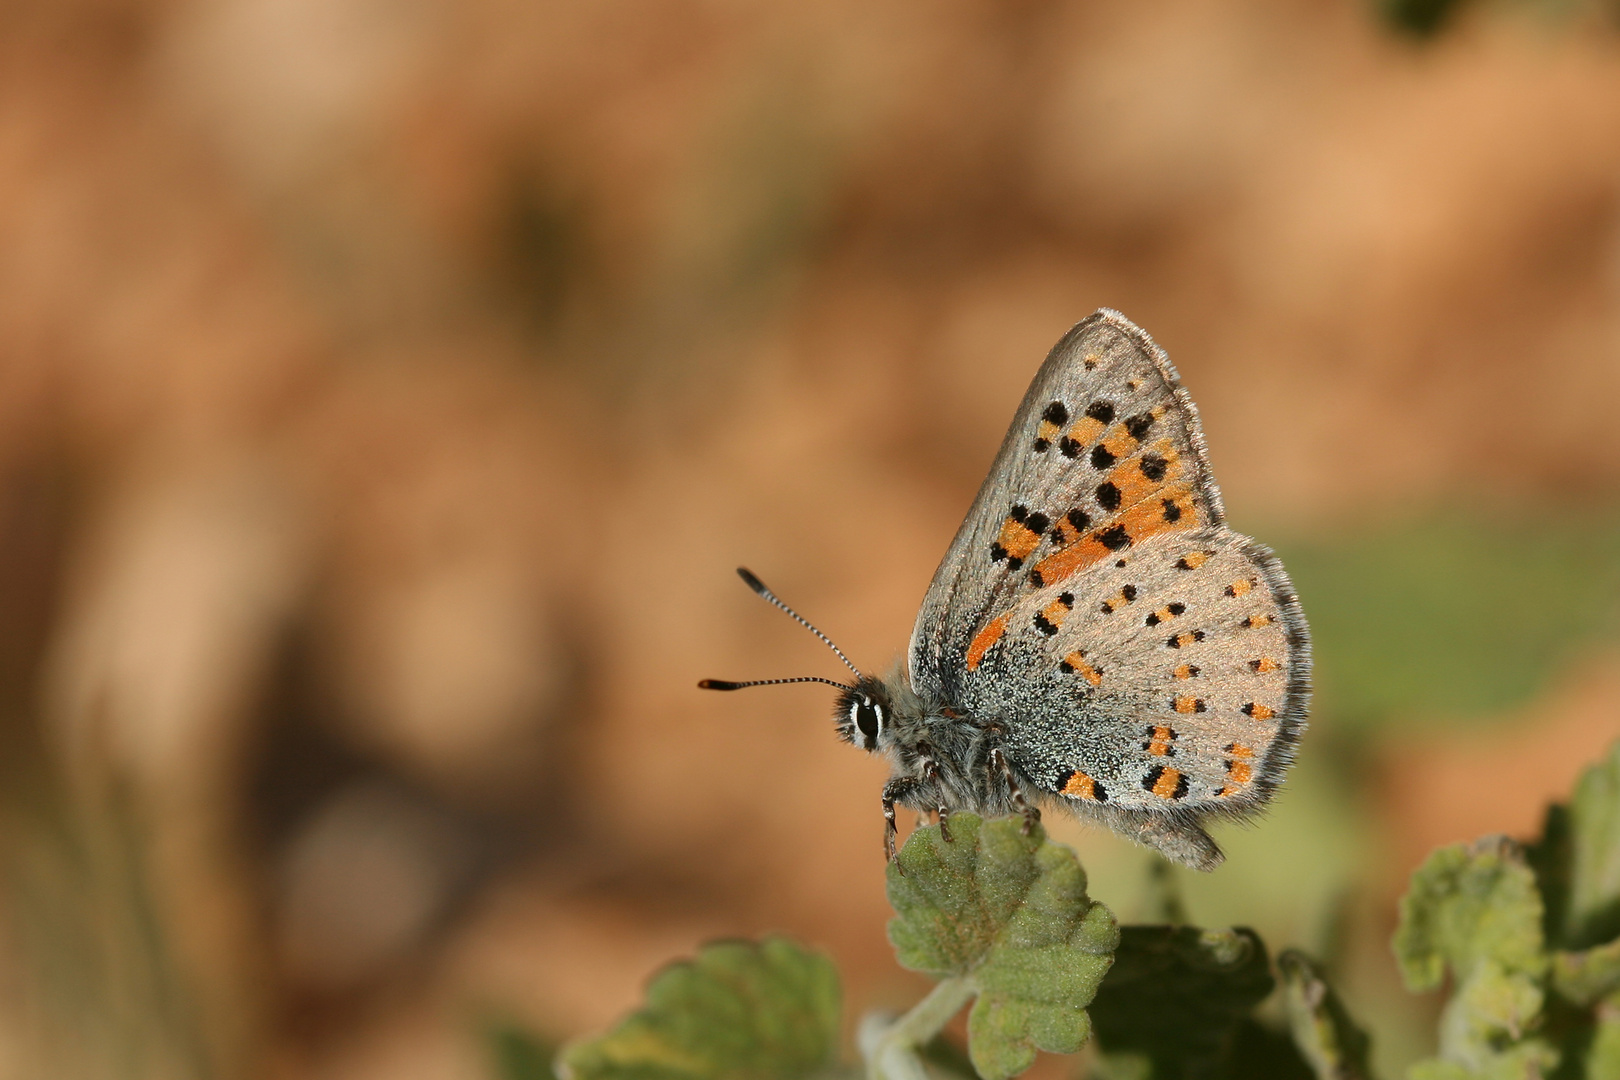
(1115, 538)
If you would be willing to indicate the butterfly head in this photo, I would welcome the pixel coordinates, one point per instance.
(863, 713)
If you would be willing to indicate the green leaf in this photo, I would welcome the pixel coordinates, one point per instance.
(517, 1054)
(1589, 975)
(1467, 906)
(1010, 913)
(1603, 1054)
(1332, 1044)
(1176, 999)
(1593, 914)
(738, 1011)
(1476, 910)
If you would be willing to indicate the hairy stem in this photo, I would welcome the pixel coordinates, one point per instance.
(891, 1053)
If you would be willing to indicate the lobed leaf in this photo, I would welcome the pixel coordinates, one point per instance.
(1467, 906)
(737, 1011)
(1476, 910)
(1010, 912)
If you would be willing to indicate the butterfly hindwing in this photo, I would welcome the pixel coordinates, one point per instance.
(1174, 683)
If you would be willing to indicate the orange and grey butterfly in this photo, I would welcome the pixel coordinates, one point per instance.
(1148, 665)
(1095, 635)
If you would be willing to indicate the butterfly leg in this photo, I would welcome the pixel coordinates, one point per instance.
(998, 760)
(930, 770)
(896, 790)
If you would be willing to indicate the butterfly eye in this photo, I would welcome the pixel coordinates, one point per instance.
(868, 716)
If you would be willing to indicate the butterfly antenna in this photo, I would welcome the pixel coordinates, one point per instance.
(722, 684)
(759, 586)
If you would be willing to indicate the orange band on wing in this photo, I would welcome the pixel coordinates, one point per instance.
(1138, 478)
(1169, 510)
(986, 638)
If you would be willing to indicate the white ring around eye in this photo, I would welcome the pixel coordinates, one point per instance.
(853, 711)
(878, 710)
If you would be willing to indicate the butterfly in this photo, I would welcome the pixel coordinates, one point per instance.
(1095, 638)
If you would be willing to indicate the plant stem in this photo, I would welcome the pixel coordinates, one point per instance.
(892, 1055)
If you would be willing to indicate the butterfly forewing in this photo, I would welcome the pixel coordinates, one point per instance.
(1104, 453)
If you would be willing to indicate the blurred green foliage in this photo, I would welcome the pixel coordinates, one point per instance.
(1525, 938)
(1327, 1037)
(1528, 938)
(738, 1011)
(517, 1054)
(1201, 985)
(1452, 616)
(1419, 18)
(1428, 19)
(1475, 911)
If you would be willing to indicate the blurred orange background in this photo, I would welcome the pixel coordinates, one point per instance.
(388, 389)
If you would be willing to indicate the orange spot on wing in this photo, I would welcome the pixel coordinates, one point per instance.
(1256, 621)
(985, 639)
(1084, 430)
(1165, 786)
(1186, 671)
(1075, 663)
(1240, 772)
(1159, 744)
(1018, 539)
(1265, 665)
(1259, 712)
(1239, 587)
(1187, 704)
(1081, 786)
(1119, 442)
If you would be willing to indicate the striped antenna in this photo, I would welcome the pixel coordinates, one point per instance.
(722, 684)
(759, 586)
